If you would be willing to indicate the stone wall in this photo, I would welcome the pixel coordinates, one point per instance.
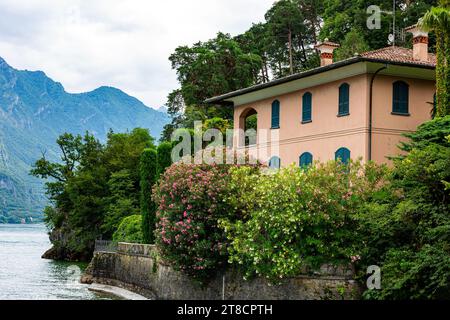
(136, 267)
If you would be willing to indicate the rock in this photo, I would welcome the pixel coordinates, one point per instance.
(86, 278)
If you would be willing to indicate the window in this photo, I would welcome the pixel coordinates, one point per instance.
(305, 159)
(306, 107)
(274, 162)
(343, 154)
(400, 99)
(344, 100)
(275, 114)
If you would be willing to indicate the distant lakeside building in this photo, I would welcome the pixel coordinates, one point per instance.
(358, 107)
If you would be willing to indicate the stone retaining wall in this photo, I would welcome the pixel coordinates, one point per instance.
(136, 267)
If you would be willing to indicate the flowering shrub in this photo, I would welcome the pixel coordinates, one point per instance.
(191, 198)
(295, 219)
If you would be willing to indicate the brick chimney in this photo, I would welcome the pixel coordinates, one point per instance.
(326, 49)
(420, 43)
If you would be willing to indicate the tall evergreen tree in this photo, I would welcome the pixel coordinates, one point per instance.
(164, 157)
(437, 19)
(287, 34)
(147, 169)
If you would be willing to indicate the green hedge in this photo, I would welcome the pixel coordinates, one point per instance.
(129, 230)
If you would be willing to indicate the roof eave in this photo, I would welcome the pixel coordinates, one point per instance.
(222, 99)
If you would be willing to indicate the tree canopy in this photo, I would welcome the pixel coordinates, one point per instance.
(91, 189)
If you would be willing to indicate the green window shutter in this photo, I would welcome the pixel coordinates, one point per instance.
(275, 162)
(307, 107)
(344, 99)
(275, 114)
(343, 154)
(400, 97)
(306, 159)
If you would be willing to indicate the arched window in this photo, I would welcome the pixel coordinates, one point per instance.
(275, 162)
(307, 107)
(275, 114)
(400, 98)
(305, 159)
(343, 154)
(249, 121)
(344, 100)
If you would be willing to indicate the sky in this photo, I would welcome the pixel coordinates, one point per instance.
(85, 44)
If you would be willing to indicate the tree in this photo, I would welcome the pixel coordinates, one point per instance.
(353, 43)
(91, 189)
(407, 224)
(77, 189)
(122, 201)
(147, 169)
(70, 147)
(211, 68)
(164, 157)
(437, 19)
(340, 17)
(256, 41)
(286, 29)
(204, 70)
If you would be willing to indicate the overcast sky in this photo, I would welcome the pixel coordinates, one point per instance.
(85, 44)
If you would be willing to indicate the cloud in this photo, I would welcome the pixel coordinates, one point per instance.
(85, 44)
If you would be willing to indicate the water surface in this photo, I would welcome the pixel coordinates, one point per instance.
(24, 275)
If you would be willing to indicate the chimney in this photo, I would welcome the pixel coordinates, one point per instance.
(420, 43)
(326, 49)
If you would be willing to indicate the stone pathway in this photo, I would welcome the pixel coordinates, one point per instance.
(119, 292)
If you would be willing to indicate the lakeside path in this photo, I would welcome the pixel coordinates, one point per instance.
(116, 291)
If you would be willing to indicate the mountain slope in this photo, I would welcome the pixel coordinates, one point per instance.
(34, 111)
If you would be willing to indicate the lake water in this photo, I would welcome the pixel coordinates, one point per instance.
(24, 275)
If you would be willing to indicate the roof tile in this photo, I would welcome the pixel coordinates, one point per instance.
(399, 54)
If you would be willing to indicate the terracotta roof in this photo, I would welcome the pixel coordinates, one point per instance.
(399, 54)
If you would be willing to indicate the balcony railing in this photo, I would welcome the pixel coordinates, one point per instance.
(105, 246)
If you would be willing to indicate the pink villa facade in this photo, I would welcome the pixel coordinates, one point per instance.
(357, 108)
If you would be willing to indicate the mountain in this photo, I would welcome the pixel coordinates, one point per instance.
(34, 111)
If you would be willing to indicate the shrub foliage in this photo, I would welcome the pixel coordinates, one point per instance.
(407, 227)
(129, 230)
(296, 219)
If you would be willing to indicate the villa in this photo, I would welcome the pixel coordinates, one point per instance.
(358, 107)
